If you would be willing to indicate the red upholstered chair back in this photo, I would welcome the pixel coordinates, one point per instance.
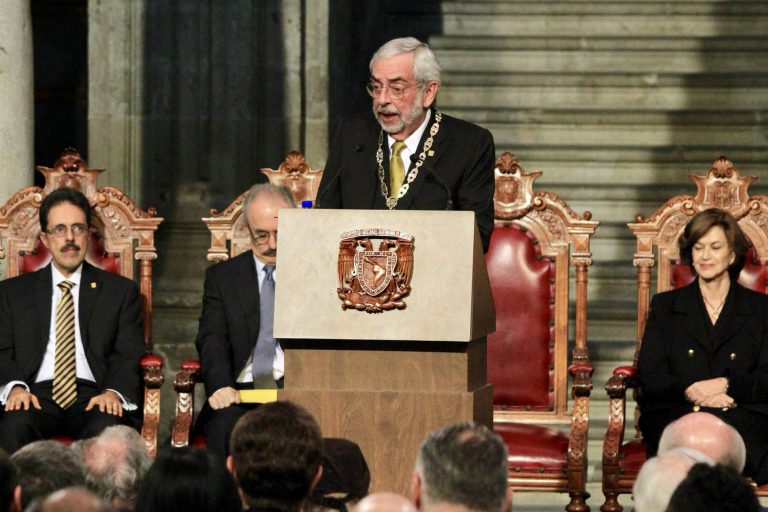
(523, 289)
(536, 241)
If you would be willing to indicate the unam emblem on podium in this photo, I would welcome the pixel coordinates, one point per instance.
(375, 280)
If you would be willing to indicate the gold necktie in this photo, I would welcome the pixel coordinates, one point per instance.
(64, 375)
(396, 169)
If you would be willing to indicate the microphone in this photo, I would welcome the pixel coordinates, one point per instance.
(358, 148)
(432, 174)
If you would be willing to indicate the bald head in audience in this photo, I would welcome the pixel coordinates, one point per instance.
(385, 502)
(708, 434)
(660, 476)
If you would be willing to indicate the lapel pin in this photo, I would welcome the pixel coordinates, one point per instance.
(93, 285)
(431, 152)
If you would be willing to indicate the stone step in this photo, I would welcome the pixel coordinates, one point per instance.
(749, 21)
(627, 136)
(602, 7)
(595, 41)
(601, 61)
(626, 78)
(754, 159)
(616, 100)
(515, 111)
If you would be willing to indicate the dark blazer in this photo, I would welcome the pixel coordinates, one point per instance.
(677, 350)
(229, 322)
(462, 164)
(110, 325)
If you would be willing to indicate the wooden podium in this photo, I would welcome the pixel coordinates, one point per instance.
(385, 380)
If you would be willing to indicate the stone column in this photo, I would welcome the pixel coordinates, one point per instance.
(115, 73)
(16, 98)
(306, 79)
(316, 83)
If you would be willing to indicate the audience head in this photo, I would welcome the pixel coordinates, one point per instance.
(660, 476)
(345, 479)
(260, 208)
(9, 488)
(70, 499)
(190, 480)
(46, 466)
(708, 434)
(275, 456)
(463, 465)
(115, 463)
(385, 502)
(713, 489)
(701, 224)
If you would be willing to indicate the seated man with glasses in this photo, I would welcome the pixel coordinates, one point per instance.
(70, 337)
(408, 155)
(234, 340)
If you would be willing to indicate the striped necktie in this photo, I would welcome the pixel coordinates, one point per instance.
(396, 169)
(64, 374)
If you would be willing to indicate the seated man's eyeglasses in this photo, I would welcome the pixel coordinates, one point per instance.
(61, 230)
(262, 237)
(396, 92)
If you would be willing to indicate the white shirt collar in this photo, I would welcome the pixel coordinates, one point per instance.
(59, 277)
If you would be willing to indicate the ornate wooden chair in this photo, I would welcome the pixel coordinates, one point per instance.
(536, 240)
(230, 237)
(657, 235)
(123, 233)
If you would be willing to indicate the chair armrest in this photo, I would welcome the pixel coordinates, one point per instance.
(152, 373)
(623, 378)
(184, 385)
(582, 379)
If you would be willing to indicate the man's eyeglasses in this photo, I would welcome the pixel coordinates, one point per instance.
(60, 230)
(396, 92)
(262, 237)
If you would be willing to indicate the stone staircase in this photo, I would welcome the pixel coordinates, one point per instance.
(617, 102)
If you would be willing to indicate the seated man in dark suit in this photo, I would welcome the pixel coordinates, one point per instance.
(234, 340)
(70, 337)
(408, 155)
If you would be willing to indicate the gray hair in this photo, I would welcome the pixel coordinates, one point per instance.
(116, 462)
(46, 466)
(660, 476)
(466, 464)
(266, 189)
(425, 65)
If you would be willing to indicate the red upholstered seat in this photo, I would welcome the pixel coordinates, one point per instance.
(657, 238)
(534, 447)
(536, 242)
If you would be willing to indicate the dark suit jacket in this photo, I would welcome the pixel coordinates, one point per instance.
(677, 350)
(110, 325)
(463, 162)
(229, 323)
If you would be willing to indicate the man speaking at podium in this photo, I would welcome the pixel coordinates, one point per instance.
(409, 155)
